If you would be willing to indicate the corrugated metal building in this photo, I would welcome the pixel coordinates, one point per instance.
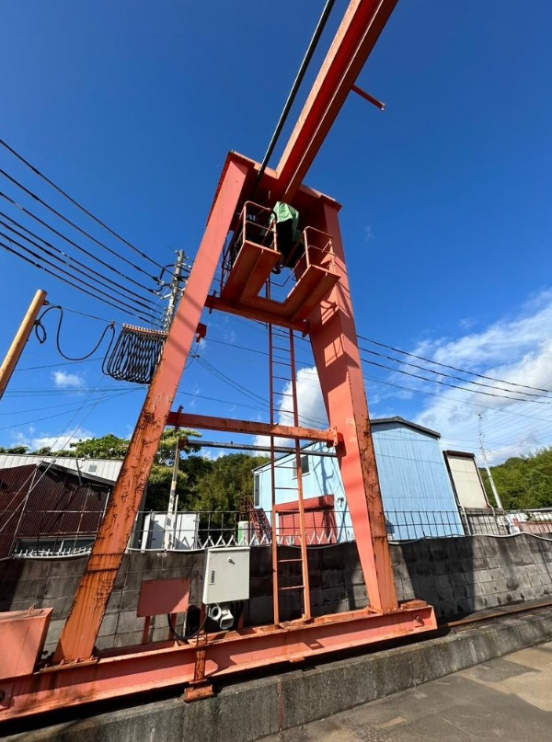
(47, 507)
(106, 470)
(417, 492)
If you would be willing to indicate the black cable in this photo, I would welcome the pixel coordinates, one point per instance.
(74, 244)
(454, 386)
(67, 255)
(77, 265)
(42, 338)
(69, 283)
(75, 203)
(136, 355)
(186, 637)
(67, 273)
(294, 89)
(448, 376)
(75, 226)
(453, 368)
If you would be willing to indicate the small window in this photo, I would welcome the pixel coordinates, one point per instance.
(304, 466)
(92, 468)
(257, 490)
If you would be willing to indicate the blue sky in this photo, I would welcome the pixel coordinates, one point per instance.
(132, 106)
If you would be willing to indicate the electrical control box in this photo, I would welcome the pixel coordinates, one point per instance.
(226, 575)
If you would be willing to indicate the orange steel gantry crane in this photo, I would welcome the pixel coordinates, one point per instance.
(319, 306)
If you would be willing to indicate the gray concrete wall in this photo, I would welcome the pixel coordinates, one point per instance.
(456, 575)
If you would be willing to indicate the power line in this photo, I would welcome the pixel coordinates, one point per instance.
(69, 283)
(454, 386)
(295, 88)
(454, 368)
(12, 241)
(77, 265)
(75, 203)
(74, 244)
(448, 376)
(75, 226)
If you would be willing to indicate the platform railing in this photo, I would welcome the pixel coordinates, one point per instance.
(255, 224)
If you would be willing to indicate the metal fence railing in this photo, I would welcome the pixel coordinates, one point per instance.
(69, 535)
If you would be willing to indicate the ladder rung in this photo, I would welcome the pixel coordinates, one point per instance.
(293, 587)
(287, 561)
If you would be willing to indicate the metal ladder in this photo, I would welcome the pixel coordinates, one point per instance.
(283, 357)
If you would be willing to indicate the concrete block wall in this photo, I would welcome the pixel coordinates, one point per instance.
(456, 575)
(462, 575)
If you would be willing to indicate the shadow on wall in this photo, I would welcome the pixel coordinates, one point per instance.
(455, 575)
(462, 575)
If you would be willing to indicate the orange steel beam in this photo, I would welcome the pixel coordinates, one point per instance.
(357, 35)
(82, 627)
(205, 422)
(143, 668)
(335, 347)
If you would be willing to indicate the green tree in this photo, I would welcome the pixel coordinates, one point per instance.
(228, 482)
(523, 482)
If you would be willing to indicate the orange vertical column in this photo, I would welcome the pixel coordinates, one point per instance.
(335, 346)
(82, 627)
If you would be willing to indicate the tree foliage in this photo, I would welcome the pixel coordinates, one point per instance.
(523, 482)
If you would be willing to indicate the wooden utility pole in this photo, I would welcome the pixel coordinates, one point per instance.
(16, 349)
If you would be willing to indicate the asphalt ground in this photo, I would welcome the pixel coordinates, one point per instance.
(509, 698)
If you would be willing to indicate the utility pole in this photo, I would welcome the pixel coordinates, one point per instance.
(487, 468)
(20, 339)
(175, 290)
(171, 521)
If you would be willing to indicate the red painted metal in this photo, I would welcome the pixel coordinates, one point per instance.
(205, 422)
(359, 31)
(159, 597)
(22, 637)
(318, 305)
(370, 98)
(335, 346)
(83, 625)
(144, 668)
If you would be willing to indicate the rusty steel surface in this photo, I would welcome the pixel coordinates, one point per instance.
(82, 627)
(335, 347)
(143, 668)
(357, 35)
(205, 422)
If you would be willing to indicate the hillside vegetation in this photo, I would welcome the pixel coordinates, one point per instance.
(523, 481)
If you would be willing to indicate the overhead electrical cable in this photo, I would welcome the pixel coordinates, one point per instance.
(455, 386)
(12, 241)
(70, 257)
(41, 334)
(75, 203)
(75, 226)
(455, 368)
(69, 283)
(75, 244)
(448, 376)
(79, 267)
(295, 88)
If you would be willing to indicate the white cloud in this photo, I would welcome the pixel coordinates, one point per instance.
(517, 350)
(65, 380)
(57, 442)
(312, 411)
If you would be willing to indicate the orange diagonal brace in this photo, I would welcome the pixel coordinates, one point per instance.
(82, 627)
(358, 33)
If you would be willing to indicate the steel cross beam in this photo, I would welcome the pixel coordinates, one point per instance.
(357, 35)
